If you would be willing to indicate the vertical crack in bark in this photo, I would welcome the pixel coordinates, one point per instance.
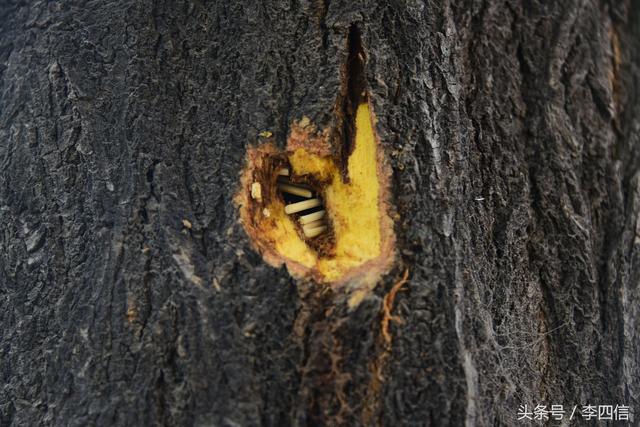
(353, 93)
(321, 395)
(323, 8)
(372, 407)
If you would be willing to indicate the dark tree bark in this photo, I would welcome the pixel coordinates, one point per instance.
(512, 130)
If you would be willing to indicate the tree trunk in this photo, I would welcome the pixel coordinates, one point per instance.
(131, 294)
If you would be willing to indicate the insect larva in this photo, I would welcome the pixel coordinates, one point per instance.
(310, 227)
(313, 232)
(301, 206)
(306, 219)
(313, 224)
(293, 189)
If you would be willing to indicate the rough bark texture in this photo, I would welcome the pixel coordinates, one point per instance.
(513, 132)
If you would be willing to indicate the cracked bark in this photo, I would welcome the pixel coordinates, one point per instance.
(513, 132)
